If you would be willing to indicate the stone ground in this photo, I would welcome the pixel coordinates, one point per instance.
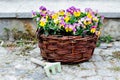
(15, 64)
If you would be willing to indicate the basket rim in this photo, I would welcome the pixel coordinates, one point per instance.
(62, 37)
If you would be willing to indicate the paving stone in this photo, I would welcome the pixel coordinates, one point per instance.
(20, 72)
(17, 67)
(116, 63)
(106, 45)
(85, 73)
(35, 74)
(87, 65)
(105, 72)
(108, 58)
(66, 76)
(116, 43)
(77, 78)
(3, 51)
(106, 52)
(71, 69)
(96, 57)
(97, 50)
(34, 51)
(38, 76)
(103, 65)
(4, 70)
(109, 78)
(26, 79)
(118, 78)
(9, 77)
(94, 78)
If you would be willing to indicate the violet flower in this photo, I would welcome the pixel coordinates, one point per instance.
(86, 10)
(62, 23)
(94, 27)
(71, 9)
(76, 24)
(33, 13)
(42, 14)
(42, 8)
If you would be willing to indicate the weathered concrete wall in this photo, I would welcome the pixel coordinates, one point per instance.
(110, 27)
(18, 24)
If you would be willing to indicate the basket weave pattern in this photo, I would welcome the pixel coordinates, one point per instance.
(67, 49)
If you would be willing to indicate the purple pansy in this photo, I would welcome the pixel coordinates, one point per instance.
(33, 13)
(42, 14)
(94, 27)
(42, 8)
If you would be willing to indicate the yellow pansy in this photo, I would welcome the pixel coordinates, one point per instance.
(67, 18)
(61, 12)
(42, 23)
(98, 33)
(84, 26)
(56, 21)
(55, 16)
(68, 29)
(93, 30)
(68, 14)
(95, 19)
(46, 17)
(87, 22)
(77, 13)
(89, 15)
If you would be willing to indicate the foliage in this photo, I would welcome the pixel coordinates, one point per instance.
(116, 54)
(115, 68)
(71, 21)
(106, 39)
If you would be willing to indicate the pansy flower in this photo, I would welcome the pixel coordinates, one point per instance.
(71, 21)
(42, 8)
(66, 18)
(55, 16)
(61, 12)
(95, 19)
(33, 13)
(87, 21)
(77, 13)
(93, 29)
(43, 22)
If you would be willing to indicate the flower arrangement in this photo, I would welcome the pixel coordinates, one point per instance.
(68, 36)
(69, 22)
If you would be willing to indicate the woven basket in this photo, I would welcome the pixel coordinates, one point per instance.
(67, 49)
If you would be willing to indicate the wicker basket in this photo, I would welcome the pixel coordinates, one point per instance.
(67, 49)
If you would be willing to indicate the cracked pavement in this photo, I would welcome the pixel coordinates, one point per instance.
(104, 65)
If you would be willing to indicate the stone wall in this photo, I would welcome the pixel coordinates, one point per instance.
(111, 26)
(18, 24)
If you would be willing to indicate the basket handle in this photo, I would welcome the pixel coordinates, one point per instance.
(42, 63)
